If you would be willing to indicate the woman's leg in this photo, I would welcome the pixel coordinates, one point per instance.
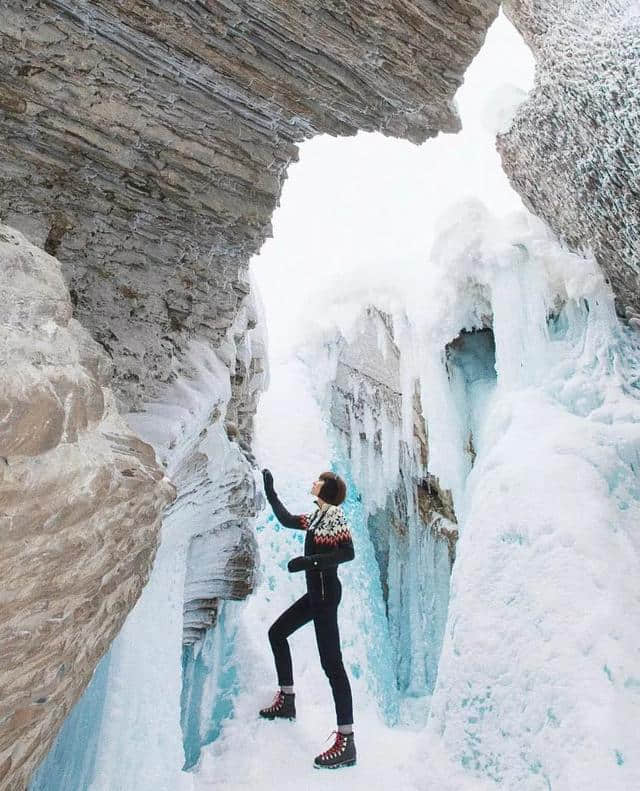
(291, 619)
(325, 621)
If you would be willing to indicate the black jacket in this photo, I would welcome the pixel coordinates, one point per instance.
(327, 543)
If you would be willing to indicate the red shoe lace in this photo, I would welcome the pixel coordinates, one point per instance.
(336, 747)
(277, 702)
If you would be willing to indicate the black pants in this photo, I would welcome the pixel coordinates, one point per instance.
(325, 621)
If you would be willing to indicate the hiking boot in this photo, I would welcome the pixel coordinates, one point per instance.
(284, 705)
(341, 753)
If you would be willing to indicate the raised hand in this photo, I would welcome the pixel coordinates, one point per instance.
(295, 521)
(267, 478)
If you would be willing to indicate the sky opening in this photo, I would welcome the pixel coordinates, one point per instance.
(358, 216)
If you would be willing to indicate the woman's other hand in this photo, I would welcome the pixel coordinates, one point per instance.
(297, 564)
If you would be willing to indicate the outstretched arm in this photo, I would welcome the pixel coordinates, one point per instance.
(295, 521)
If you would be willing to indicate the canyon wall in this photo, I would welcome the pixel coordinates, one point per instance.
(144, 146)
(572, 152)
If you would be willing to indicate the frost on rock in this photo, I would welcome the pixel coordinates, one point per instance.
(212, 517)
(572, 152)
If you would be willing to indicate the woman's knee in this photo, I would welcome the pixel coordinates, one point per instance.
(333, 666)
(275, 635)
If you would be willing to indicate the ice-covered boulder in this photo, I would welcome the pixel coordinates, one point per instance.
(80, 503)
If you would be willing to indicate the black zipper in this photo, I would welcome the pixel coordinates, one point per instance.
(321, 573)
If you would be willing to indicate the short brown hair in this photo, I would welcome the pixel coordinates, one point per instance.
(334, 489)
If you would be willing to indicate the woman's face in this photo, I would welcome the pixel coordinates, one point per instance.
(316, 486)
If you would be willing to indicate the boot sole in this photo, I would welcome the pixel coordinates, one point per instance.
(276, 717)
(335, 766)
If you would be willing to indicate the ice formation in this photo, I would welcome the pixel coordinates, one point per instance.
(537, 680)
(537, 684)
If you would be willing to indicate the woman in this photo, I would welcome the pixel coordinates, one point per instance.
(327, 543)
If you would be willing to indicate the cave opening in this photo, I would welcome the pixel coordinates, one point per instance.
(471, 369)
(354, 227)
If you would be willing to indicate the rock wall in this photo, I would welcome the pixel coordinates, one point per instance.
(572, 152)
(80, 504)
(145, 144)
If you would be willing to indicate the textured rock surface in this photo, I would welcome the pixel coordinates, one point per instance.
(80, 505)
(145, 144)
(215, 479)
(573, 150)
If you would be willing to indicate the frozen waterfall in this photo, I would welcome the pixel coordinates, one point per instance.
(537, 679)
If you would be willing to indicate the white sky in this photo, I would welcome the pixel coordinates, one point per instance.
(359, 214)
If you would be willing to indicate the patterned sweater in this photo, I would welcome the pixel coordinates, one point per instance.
(328, 541)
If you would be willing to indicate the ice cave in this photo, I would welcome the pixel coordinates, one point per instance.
(395, 241)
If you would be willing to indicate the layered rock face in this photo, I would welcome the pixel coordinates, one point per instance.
(572, 152)
(80, 503)
(146, 144)
(411, 518)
